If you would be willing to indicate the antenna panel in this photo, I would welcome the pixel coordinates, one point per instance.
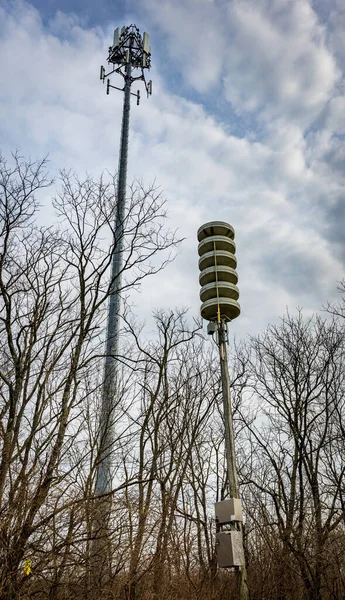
(116, 40)
(146, 43)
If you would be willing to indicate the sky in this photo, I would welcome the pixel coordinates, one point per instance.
(246, 124)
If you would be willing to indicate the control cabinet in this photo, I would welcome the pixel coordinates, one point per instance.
(228, 511)
(229, 549)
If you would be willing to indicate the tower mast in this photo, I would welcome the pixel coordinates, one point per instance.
(129, 56)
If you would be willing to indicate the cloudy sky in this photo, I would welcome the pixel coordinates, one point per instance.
(246, 124)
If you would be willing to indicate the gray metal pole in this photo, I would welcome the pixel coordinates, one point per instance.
(227, 408)
(243, 590)
(104, 472)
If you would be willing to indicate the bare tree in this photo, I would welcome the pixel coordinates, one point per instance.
(54, 287)
(296, 445)
(337, 309)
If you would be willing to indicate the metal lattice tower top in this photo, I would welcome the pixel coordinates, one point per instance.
(132, 50)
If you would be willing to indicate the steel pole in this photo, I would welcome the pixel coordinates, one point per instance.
(104, 471)
(243, 591)
(227, 408)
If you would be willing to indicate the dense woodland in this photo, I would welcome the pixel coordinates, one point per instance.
(288, 394)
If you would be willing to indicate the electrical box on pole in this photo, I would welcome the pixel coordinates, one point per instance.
(228, 511)
(229, 548)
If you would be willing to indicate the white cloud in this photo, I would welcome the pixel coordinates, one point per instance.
(278, 62)
(336, 115)
(272, 54)
(191, 29)
(336, 27)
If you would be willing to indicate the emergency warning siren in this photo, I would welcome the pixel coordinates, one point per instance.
(218, 278)
(219, 296)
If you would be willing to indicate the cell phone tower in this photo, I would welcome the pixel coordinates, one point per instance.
(129, 56)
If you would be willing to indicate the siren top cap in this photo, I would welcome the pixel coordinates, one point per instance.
(215, 228)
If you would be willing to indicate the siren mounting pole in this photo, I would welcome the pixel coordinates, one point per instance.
(241, 573)
(227, 408)
(219, 296)
(129, 55)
